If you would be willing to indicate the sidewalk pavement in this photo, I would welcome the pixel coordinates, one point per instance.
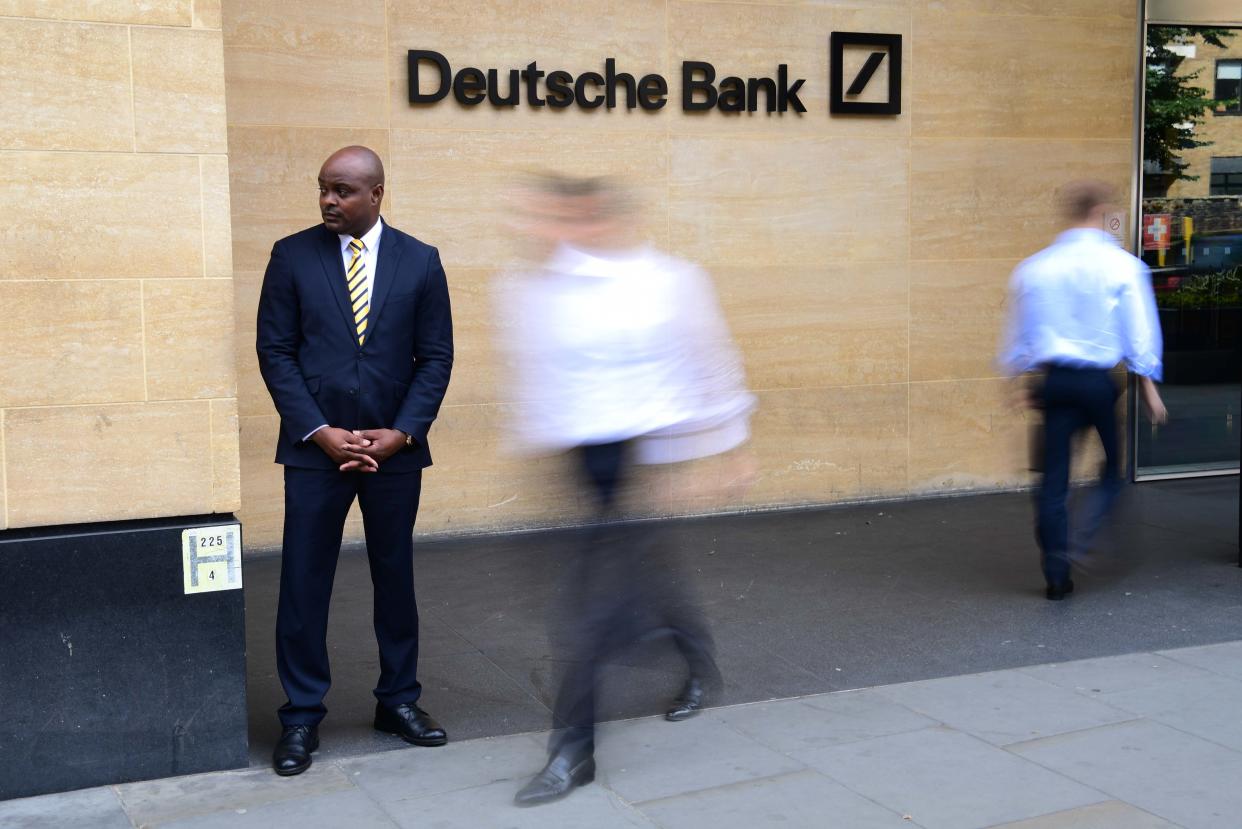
(1124, 742)
(799, 602)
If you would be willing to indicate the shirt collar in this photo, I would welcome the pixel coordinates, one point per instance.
(576, 261)
(1081, 234)
(370, 239)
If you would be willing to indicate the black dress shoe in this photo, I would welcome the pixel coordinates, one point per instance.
(1057, 592)
(293, 752)
(410, 723)
(559, 777)
(689, 702)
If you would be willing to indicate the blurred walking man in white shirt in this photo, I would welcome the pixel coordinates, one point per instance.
(620, 358)
(1077, 309)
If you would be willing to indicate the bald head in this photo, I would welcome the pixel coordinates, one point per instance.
(363, 161)
(351, 189)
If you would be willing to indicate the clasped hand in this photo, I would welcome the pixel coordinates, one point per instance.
(359, 451)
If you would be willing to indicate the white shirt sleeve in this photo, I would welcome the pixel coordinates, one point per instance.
(1015, 349)
(1140, 325)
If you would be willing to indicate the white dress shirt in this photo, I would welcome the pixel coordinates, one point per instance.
(370, 252)
(370, 256)
(1083, 302)
(618, 346)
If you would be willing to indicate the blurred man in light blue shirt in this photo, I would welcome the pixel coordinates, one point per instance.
(1077, 309)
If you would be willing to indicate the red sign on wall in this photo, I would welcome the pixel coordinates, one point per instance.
(1157, 231)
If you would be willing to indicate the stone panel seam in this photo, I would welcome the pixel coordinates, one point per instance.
(959, 380)
(388, 79)
(62, 279)
(133, 96)
(909, 256)
(110, 23)
(548, 131)
(500, 404)
(107, 279)
(159, 402)
(211, 452)
(142, 322)
(668, 143)
(861, 5)
(891, 384)
(202, 216)
(673, 130)
(1018, 16)
(130, 153)
(1012, 260)
(4, 472)
(1066, 139)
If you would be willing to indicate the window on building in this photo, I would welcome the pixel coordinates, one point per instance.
(1226, 176)
(1229, 86)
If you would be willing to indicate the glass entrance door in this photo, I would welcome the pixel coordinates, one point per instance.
(1191, 238)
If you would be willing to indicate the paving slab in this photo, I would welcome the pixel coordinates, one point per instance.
(1003, 707)
(1111, 814)
(945, 779)
(1224, 658)
(406, 775)
(1174, 775)
(803, 799)
(98, 808)
(650, 758)
(854, 758)
(153, 802)
(491, 807)
(1207, 708)
(1111, 674)
(821, 720)
(336, 810)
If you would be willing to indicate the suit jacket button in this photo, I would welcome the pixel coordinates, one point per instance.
(352, 392)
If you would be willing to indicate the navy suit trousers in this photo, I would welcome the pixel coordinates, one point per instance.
(1074, 399)
(316, 504)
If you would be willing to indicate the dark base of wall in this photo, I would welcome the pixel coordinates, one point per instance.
(109, 672)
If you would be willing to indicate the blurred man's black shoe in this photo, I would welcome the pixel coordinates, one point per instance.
(564, 772)
(689, 702)
(1057, 592)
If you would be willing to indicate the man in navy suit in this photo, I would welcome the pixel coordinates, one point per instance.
(355, 343)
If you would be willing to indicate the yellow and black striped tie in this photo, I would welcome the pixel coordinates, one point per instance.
(359, 297)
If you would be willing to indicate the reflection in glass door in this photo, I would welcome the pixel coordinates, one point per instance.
(1191, 233)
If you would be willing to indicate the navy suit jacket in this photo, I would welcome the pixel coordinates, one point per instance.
(309, 354)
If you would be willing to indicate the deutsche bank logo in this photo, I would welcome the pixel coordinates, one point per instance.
(837, 103)
(431, 79)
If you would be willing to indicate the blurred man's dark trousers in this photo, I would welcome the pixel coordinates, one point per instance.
(623, 587)
(1074, 399)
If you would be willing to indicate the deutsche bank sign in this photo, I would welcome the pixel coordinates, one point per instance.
(431, 79)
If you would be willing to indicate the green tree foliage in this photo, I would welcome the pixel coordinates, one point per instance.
(1174, 104)
(1214, 290)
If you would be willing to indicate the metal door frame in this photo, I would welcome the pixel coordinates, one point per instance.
(1227, 13)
